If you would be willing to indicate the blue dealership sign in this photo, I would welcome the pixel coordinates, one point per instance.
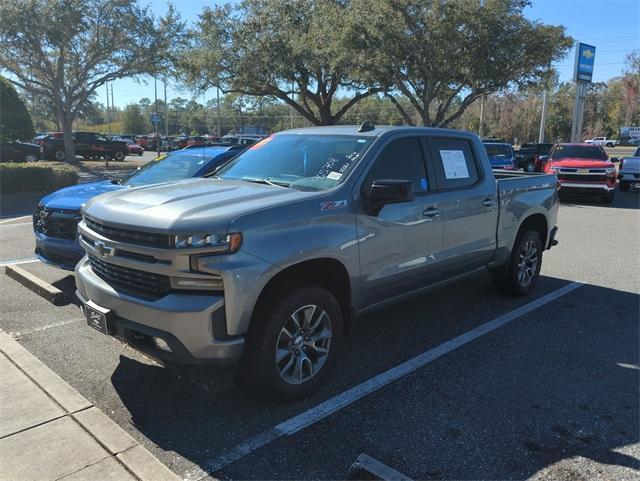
(585, 58)
(155, 118)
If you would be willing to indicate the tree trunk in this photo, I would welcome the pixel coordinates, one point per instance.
(69, 150)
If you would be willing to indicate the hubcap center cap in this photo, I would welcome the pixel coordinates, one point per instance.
(298, 341)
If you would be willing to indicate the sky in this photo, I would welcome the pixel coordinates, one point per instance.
(612, 26)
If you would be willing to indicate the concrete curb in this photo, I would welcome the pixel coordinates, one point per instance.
(45, 290)
(120, 444)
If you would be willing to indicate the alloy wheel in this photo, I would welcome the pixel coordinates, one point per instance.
(527, 263)
(303, 344)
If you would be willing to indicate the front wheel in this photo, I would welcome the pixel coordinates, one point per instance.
(293, 341)
(59, 155)
(119, 155)
(520, 275)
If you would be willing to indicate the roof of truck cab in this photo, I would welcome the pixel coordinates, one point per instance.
(377, 130)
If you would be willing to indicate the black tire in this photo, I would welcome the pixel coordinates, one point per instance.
(608, 199)
(140, 153)
(259, 366)
(608, 144)
(507, 279)
(530, 166)
(59, 155)
(119, 155)
(31, 158)
(625, 186)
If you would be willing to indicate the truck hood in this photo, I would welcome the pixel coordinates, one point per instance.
(580, 163)
(72, 198)
(631, 164)
(191, 205)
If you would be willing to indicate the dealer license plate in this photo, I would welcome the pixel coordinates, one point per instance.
(97, 317)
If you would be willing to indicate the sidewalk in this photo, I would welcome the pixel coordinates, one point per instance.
(48, 431)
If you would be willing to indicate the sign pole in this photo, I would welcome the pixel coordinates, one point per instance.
(582, 74)
(543, 117)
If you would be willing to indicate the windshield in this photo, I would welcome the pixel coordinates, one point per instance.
(305, 162)
(578, 151)
(498, 150)
(174, 166)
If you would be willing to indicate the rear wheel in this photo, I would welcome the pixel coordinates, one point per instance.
(625, 186)
(59, 155)
(293, 341)
(119, 155)
(530, 166)
(520, 275)
(30, 158)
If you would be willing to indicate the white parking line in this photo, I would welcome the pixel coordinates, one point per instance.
(15, 262)
(11, 219)
(19, 223)
(330, 406)
(42, 328)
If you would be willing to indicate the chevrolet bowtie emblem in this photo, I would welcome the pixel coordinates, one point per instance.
(103, 249)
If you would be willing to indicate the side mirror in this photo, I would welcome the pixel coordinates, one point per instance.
(383, 192)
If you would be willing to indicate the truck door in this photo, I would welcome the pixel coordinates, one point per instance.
(399, 246)
(82, 143)
(469, 205)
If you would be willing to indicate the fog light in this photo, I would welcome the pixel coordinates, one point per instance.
(161, 344)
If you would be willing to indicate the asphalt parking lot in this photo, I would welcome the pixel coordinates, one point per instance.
(550, 392)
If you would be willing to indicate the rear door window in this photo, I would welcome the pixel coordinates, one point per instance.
(455, 162)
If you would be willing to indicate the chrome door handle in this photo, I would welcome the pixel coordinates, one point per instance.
(431, 212)
(489, 203)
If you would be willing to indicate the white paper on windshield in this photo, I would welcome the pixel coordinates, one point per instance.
(334, 175)
(455, 166)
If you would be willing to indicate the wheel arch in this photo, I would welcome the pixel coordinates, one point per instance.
(329, 273)
(538, 223)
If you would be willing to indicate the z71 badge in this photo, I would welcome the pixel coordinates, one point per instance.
(333, 204)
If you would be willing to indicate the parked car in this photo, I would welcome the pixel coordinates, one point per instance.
(89, 145)
(57, 215)
(629, 172)
(527, 155)
(500, 155)
(265, 263)
(634, 141)
(602, 141)
(134, 149)
(19, 152)
(142, 141)
(582, 168)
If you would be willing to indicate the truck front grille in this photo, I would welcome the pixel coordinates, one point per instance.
(60, 223)
(148, 239)
(131, 281)
(592, 175)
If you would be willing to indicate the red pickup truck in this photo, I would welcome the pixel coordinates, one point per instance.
(582, 168)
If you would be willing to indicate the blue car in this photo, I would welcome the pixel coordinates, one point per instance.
(501, 155)
(56, 218)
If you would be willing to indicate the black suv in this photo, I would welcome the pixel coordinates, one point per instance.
(528, 153)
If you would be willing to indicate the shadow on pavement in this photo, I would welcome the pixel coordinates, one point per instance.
(559, 384)
(622, 200)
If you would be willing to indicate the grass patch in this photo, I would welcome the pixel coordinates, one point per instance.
(22, 177)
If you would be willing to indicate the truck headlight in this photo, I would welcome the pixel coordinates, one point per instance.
(214, 283)
(611, 172)
(216, 243)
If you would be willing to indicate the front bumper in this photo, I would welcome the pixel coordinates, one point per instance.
(190, 324)
(587, 187)
(61, 253)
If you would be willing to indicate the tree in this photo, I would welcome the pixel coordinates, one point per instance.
(443, 55)
(298, 52)
(64, 50)
(15, 121)
(134, 121)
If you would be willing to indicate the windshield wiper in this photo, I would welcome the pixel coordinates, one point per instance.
(267, 181)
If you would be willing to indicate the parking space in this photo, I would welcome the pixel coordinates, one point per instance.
(552, 393)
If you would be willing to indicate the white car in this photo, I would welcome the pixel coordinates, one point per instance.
(629, 172)
(602, 141)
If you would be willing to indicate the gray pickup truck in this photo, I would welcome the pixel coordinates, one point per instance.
(264, 264)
